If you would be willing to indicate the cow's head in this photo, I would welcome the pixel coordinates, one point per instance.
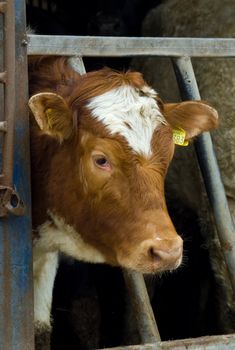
(115, 143)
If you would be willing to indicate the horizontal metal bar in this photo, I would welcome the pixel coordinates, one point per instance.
(3, 77)
(143, 312)
(209, 168)
(3, 7)
(129, 46)
(220, 342)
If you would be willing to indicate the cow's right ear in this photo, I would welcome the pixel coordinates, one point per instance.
(52, 114)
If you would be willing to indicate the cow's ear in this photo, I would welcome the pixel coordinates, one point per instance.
(52, 114)
(194, 117)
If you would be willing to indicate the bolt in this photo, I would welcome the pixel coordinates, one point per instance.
(24, 42)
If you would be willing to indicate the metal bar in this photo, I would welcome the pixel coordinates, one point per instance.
(7, 193)
(76, 62)
(142, 308)
(16, 298)
(221, 342)
(209, 168)
(9, 63)
(129, 46)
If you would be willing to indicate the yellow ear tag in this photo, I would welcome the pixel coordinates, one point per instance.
(179, 135)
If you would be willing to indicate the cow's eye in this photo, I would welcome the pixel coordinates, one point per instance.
(101, 161)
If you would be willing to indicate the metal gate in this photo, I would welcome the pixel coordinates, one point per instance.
(16, 317)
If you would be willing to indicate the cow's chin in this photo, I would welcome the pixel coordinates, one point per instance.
(152, 267)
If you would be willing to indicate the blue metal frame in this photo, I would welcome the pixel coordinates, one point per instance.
(16, 297)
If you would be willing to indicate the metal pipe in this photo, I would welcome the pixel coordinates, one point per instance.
(142, 308)
(7, 192)
(9, 64)
(76, 62)
(209, 168)
(129, 46)
(218, 342)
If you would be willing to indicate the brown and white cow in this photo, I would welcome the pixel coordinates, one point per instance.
(101, 144)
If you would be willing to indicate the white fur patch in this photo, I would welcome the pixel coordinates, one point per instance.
(44, 268)
(130, 112)
(54, 238)
(64, 238)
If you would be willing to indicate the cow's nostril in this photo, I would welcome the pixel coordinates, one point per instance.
(154, 254)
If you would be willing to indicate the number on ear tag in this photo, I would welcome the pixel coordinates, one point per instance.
(179, 135)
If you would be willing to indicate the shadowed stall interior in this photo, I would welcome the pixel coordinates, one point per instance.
(90, 304)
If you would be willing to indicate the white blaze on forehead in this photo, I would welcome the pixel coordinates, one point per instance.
(130, 112)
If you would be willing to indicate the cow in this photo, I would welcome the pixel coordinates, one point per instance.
(101, 144)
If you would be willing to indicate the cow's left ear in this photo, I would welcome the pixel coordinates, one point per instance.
(194, 117)
(52, 114)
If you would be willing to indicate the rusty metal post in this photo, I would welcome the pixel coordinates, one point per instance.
(209, 168)
(16, 297)
(143, 312)
(9, 77)
(10, 201)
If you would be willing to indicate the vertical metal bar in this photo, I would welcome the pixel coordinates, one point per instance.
(10, 201)
(9, 64)
(209, 168)
(16, 298)
(142, 308)
(76, 62)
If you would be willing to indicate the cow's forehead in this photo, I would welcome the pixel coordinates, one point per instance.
(130, 112)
